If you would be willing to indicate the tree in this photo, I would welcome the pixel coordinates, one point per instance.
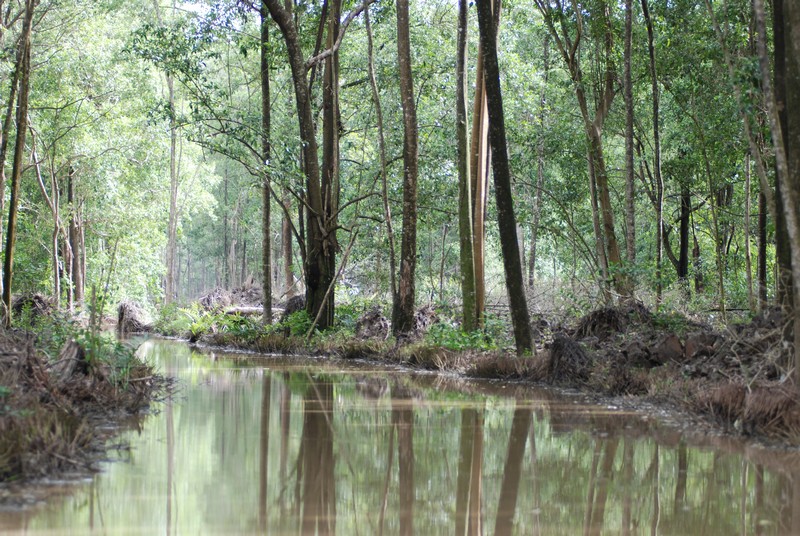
(322, 188)
(465, 192)
(266, 263)
(506, 220)
(403, 313)
(24, 66)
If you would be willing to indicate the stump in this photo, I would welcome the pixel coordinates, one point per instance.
(131, 319)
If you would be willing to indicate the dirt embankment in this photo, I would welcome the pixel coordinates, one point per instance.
(52, 408)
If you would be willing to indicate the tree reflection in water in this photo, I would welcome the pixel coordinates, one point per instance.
(296, 450)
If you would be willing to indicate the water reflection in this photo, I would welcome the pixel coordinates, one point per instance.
(277, 447)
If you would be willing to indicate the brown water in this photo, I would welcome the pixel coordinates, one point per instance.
(278, 446)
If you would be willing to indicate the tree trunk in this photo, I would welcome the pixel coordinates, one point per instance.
(748, 258)
(512, 471)
(320, 227)
(630, 187)
(686, 212)
(656, 152)
(762, 251)
(6, 133)
(19, 149)
(403, 317)
(286, 245)
(783, 295)
(75, 241)
(387, 211)
(537, 196)
(465, 192)
(266, 261)
(506, 218)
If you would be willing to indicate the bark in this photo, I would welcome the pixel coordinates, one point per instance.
(469, 310)
(506, 218)
(19, 149)
(630, 187)
(266, 261)
(656, 152)
(403, 317)
(387, 212)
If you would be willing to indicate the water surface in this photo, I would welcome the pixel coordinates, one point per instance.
(300, 446)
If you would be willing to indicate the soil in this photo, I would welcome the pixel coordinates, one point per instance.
(56, 415)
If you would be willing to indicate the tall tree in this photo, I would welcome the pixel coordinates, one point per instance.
(170, 289)
(266, 263)
(630, 186)
(19, 148)
(403, 313)
(465, 192)
(656, 151)
(506, 219)
(321, 194)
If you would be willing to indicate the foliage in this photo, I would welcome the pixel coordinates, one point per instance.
(453, 338)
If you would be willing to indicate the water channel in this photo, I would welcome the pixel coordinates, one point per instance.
(256, 445)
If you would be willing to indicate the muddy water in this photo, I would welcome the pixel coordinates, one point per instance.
(277, 446)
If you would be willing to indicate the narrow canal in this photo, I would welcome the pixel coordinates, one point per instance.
(297, 446)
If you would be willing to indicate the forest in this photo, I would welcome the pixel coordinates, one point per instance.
(498, 161)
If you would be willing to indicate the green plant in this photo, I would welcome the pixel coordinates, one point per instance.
(453, 338)
(297, 324)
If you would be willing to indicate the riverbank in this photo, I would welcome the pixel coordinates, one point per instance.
(63, 393)
(734, 379)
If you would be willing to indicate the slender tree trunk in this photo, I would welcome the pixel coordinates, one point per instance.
(479, 178)
(75, 240)
(748, 258)
(6, 133)
(630, 186)
(761, 269)
(403, 317)
(537, 196)
(266, 261)
(656, 152)
(465, 192)
(686, 212)
(387, 211)
(506, 218)
(286, 245)
(19, 149)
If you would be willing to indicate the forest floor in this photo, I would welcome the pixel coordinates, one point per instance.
(59, 408)
(734, 378)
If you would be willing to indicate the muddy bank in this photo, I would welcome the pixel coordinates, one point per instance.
(60, 404)
(735, 379)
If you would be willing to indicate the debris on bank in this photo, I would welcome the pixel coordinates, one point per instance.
(51, 406)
